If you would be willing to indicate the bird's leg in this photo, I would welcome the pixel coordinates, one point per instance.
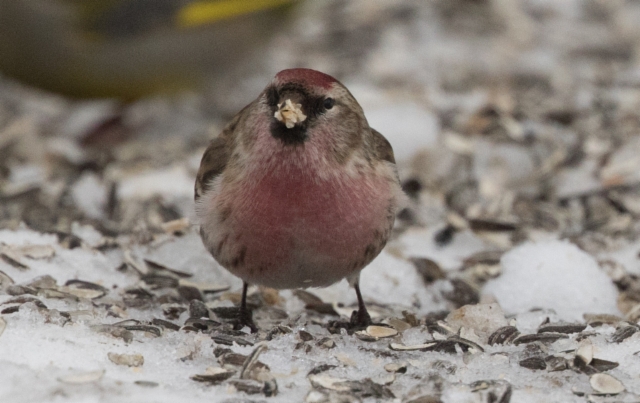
(244, 314)
(360, 318)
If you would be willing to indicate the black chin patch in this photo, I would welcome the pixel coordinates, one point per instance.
(296, 135)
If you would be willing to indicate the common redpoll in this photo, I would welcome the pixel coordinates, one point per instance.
(298, 191)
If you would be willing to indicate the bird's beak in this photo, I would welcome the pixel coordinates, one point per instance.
(290, 114)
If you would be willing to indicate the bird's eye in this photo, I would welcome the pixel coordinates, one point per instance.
(328, 103)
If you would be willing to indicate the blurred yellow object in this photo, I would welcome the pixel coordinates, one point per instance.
(130, 48)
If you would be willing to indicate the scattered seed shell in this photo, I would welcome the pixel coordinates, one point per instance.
(165, 324)
(214, 375)
(414, 347)
(566, 328)
(229, 340)
(541, 337)
(3, 325)
(380, 332)
(329, 382)
(13, 260)
(147, 384)
(555, 363)
(585, 352)
(503, 335)
(5, 280)
(395, 367)
(175, 226)
(82, 377)
(130, 360)
(605, 384)
(207, 288)
(533, 363)
(398, 324)
(603, 365)
(623, 333)
(37, 251)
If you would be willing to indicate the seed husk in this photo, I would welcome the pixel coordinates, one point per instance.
(503, 335)
(605, 384)
(414, 347)
(130, 360)
(214, 376)
(623, 333)
(542, 337)
(82, 377)
(379, 332)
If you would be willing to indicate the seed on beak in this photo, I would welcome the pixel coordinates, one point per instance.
(290, 113)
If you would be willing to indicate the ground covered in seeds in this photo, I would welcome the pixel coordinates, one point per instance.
(512, 275)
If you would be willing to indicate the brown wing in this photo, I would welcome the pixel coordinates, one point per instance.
(382, 147)
(216, 157)
(213, 162)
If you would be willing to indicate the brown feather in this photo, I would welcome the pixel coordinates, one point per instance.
(382, 147)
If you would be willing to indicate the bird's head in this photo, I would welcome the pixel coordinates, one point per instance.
(304, 103)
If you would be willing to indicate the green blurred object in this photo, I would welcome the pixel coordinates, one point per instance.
(130, 48)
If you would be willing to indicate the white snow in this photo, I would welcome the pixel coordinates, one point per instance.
(408, 126)
(171, 183)
(553, 275)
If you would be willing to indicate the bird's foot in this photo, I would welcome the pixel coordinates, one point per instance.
(244, 318)
(360, 319)
(237, 317)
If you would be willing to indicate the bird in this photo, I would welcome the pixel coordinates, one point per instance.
(129, 49)
(297, 190)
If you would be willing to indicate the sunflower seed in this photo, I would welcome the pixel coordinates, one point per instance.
(130, 360)
(197, 309)
(214, 376)
(13, 260)
(601, 319)
(395, 367)
(165, 324)
(81, 378)
(207, 288)
(328, 382)
(158, 267)
(247, 386)
(533, 363)
(114, 331)
(148, 329)
(43, 282)
(5, 280)
(147, 384)
(414, 347)
(585, 352)
(542, 337)
(566, 328)
(249, 364)
(304, 335)
(555, 363)
(37, 251)
(428, 269)
(497, 391)
(229, 340)
(503, 335)
(21, 290)
(379, 332)
(84, 289)
(623, 333)
(605, 384)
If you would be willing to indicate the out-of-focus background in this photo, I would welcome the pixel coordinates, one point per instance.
(516, 127)
(502, 101)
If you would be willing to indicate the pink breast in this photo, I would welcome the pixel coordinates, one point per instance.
(298, 228)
